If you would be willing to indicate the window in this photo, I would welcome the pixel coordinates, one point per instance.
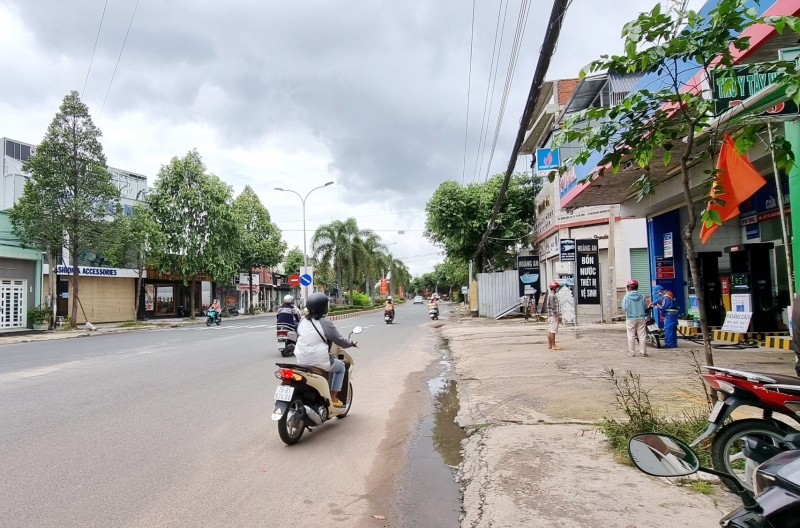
(165, 300)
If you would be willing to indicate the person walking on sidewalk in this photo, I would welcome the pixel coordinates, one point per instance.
(635, 308)
(553, 316)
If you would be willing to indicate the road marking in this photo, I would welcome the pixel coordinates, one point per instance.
(33, 373)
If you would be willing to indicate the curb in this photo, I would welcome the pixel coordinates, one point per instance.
(353, 314)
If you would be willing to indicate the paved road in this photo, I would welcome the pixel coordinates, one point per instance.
(172, 428)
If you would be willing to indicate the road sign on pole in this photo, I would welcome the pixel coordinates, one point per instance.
(305, 279)
(294, 279)
(307, 282)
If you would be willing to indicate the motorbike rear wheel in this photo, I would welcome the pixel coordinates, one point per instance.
(286, 352)
(291, 426)
(726, 448)
(653, 340)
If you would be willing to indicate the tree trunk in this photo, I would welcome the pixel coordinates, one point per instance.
(339, 285)
(137, 297)
(250, 292)
(688, 241)
(75, 274)
(52, 278)
(191, 299)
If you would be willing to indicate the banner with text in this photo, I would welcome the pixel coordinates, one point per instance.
(588, 255)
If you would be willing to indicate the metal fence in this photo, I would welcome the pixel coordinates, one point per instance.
(497, 292)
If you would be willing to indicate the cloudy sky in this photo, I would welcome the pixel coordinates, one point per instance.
(369, 94)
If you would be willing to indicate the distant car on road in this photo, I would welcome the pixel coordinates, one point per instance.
(419, 300)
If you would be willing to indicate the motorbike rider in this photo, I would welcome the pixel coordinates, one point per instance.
(316, 334)
(433, 305)
(667, 305)
(389, 306)
(215, 306)
(288, 313)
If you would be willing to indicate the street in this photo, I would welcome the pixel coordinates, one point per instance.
(172, 428)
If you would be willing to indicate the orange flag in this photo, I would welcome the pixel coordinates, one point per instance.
(739, 180)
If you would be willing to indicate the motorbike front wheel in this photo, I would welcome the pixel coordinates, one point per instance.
(208, 321)
(291, 426)
(726, 449)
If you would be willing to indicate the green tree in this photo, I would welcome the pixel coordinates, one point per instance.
(195, 213)
(650, 127)
(132, 242)
(69, 192)
(293, 261)
(337, 243)
(458, 216)
(260, 244)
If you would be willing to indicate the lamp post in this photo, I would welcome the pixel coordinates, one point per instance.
(302, 199)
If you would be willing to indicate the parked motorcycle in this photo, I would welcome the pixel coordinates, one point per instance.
(774, 501)
(388, 316)
(773, 393)
(213, 317)
(302, 400)
(232, 309)
(287, 339)
(654, 333)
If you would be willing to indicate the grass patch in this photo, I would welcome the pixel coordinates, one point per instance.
(641, 417)
(703, 487)
(132, 324)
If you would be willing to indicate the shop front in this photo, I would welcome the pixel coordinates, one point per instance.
(165, 295)
(107, 295)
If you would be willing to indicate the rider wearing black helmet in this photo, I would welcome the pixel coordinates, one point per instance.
(316, 334)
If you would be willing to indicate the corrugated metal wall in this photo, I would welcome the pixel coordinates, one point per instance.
(497, 292)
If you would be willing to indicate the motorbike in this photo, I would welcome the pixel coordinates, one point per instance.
(654, 333)
(772, 393)
(433, 312)
(287, 339)
(213, 317)
(302, 400)
(233, 310)
(388, 316)
(774, 501)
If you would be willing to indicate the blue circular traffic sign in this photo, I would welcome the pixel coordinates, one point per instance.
(306, 279)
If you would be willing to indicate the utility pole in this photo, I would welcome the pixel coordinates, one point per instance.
(611, 286)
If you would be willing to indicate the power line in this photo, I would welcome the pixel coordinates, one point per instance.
(545, 56)
(494, 84)
(522, 21)
(488, 86)
(102, 17)
(119, 58)
(469, 88)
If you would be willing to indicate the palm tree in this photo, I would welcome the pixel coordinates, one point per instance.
(396, 271)
(368, 259)
(341, 244)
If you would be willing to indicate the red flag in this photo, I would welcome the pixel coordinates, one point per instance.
(739, 180)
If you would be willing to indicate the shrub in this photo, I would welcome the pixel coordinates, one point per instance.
(361, 299)
(634, 401)
(40, 315)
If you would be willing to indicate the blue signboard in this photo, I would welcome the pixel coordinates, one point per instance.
(548, 159)
(306, 279)
(752, 231)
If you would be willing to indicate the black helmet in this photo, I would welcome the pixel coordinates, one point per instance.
(317, 304)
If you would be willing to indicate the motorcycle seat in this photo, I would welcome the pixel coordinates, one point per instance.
(782, 380)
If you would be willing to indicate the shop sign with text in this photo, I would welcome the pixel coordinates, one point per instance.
(588, 255)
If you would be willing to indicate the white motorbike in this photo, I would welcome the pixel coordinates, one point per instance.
(287, 339)
(302, 400)
(433, 312)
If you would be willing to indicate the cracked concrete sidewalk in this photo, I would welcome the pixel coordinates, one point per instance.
(533, 456)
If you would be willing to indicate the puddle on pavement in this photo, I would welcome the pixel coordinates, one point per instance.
(431, 495)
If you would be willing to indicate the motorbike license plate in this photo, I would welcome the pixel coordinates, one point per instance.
(715, 411)
(653, 328)
(281, 345)
(284, 393)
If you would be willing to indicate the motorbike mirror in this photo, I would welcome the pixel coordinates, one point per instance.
(662, 455)
(358, 330)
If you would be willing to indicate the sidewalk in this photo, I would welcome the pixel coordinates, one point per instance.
(533, 456)
(27, 336)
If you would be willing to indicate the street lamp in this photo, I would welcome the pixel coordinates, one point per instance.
(305, 252)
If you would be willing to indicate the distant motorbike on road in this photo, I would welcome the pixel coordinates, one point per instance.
(302, 400)
(433, 311)
(213, 317)
(287, 339)
(388, 316)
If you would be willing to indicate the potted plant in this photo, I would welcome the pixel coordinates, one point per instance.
(685, 319)
(40, 317)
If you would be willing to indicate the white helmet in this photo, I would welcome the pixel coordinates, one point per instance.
(288, 299)
(389, 297)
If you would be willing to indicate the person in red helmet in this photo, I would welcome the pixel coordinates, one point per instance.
(635, 308)
(553, 316)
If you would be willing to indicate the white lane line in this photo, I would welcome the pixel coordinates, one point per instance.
(33, 373)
